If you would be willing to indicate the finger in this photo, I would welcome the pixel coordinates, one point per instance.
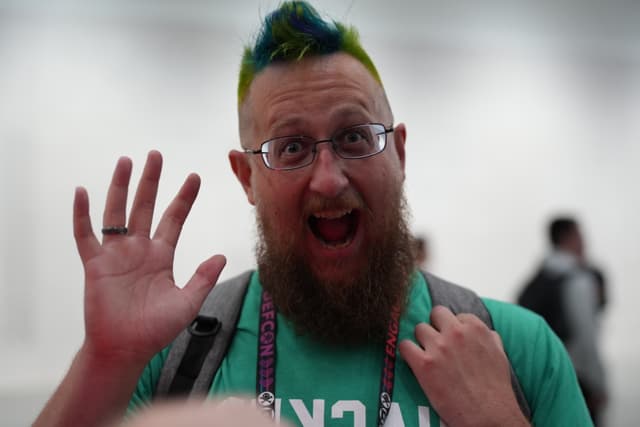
(425, 334)
(469, 318)
(173, 219)
(203, 280)
(145, 199)
(442, 318)
(115, 208)
(497, 339)
(412, 354)
(88, 245)
(473, 320)
(475, 325)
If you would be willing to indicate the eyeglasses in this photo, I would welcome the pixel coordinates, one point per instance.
(293, 152)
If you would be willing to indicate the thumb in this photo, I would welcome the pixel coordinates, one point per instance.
(204, 279)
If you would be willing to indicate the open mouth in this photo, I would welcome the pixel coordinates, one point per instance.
(334, 228)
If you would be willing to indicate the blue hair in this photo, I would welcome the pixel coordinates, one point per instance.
(290, 33)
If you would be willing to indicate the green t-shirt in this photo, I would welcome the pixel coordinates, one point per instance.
(317, 385)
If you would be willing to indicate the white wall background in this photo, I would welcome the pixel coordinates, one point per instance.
(515, 111)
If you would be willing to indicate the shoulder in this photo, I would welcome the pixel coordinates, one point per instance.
(541, 364)
(522, 331)
(511, 316)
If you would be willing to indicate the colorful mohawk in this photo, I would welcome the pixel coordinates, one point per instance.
(290, 33)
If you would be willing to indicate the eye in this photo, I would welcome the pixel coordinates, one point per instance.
(292, 147)
(354, 136)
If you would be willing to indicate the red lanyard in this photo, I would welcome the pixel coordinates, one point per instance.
(266, 365)
(388, 366)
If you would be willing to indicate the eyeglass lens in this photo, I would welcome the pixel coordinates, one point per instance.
(350, 143)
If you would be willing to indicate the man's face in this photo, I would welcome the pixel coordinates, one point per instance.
(332, 207)
(324, 225)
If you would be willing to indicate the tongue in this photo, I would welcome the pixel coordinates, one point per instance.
(333, 230)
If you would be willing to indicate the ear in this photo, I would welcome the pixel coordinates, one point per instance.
(399, 138)
(241, 167)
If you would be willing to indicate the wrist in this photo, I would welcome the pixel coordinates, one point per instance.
(512, 418)
(95, 390)
(111, 362)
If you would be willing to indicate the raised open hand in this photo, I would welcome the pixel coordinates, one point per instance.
(133, 307)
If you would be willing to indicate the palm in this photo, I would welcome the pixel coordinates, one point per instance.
(132, 304)
(131, 298)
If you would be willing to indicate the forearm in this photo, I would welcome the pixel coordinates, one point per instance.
(512, 417)
(94, 392)
(495, 412)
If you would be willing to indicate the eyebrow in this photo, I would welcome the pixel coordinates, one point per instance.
(290, 122)
(341, 117)
(344, 117)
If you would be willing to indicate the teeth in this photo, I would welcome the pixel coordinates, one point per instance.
(337, 245)
(332, 214)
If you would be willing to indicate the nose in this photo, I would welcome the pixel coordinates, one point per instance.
(328, 178)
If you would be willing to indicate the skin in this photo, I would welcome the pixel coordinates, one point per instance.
(316, 97)
(133, 308)
(198, 414)
(461, 350)
(574, 243)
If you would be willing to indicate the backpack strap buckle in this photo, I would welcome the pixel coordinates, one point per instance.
(204, 326)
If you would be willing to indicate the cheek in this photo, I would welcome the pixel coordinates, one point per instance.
(278, 203)
(377, 188)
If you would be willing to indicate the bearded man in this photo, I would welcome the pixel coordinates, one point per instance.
(323, 163)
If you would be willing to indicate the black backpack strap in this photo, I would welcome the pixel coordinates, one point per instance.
(462, 300)
(193, 358)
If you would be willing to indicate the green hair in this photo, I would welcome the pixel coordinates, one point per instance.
(293, 31)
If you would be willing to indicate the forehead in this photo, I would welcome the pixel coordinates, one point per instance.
(316, 88)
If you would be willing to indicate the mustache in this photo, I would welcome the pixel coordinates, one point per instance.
(347, 200)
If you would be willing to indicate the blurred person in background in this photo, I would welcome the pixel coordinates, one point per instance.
(570, 294)
(421, 250)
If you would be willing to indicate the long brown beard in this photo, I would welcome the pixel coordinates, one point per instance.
(354, 309)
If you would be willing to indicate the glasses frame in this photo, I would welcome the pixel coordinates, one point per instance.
(314, 151)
